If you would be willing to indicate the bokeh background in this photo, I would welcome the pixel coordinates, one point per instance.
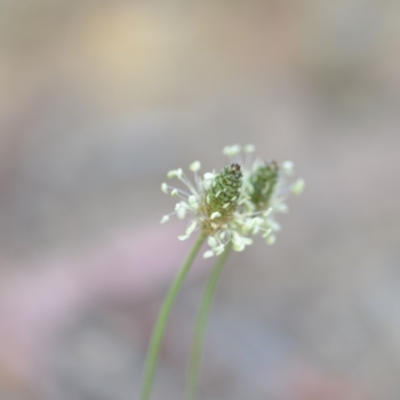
(99, 99)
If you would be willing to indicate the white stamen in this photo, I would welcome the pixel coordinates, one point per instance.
(219, 249)
(287, 167)
(266, 233)
(298, 186)
(192, 226)
(274, 225)
(231, 151)
(183, 237)
(175, 173)
(212, 242)
(193, 202)
(281, 207)
(164, 188)
(208, 254)
(215, 214)
(180, 210)
(164, 219)
(195, 166)
(271, 239)
(249, 148)
(268, 212)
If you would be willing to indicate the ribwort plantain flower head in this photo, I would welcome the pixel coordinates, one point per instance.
(210, 202)
(266, 188)
(234, 204)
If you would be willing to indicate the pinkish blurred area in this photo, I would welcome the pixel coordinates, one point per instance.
(100, 99)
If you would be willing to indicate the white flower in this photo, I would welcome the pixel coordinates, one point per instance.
(210, 202)
(264, 194)
(238, 202)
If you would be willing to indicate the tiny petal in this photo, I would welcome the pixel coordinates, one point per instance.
(164, 219)
(174, 192)
(195, 166)
(164, 188)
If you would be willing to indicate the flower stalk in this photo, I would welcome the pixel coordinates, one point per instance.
(159, 328)
(200, 328)
(227, 208)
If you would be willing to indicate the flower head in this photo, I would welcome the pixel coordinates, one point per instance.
(234, 204)
(265, 191)
(211, 203)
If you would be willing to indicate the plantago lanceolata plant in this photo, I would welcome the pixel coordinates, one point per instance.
(226, 208)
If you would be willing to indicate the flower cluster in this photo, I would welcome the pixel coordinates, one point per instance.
(239, 202)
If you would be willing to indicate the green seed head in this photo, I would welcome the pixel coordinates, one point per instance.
(222, 197)
(263, 182)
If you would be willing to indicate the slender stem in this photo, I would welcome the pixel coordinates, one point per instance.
(158, 330)
(198, 338)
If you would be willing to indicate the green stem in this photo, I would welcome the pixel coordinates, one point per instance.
(159, 328)
(198, 338)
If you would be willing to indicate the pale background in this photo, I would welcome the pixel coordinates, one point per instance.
(99, 99)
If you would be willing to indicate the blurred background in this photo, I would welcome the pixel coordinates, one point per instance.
(99, 99)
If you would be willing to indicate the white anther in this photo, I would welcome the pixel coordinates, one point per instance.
(195, 166)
